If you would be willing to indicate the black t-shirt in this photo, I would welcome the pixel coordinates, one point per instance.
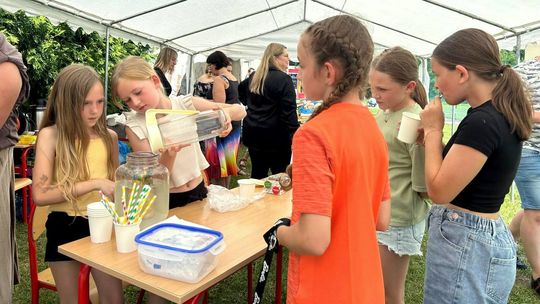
(486, 130)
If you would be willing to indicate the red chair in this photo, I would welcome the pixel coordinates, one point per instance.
(44, 279)
(36, 227)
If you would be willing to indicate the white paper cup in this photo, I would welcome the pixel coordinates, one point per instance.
(125, 236)
(247, 188)
(408, 129)
(100, 228)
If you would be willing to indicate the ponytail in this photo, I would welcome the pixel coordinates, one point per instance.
(419, 94)
(511, 99)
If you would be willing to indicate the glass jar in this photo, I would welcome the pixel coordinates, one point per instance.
(143, 168)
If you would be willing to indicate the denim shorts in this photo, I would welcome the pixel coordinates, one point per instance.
(528, 179)
(405, 240)
(469, 259)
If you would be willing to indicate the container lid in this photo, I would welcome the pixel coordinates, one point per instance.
(178, 237)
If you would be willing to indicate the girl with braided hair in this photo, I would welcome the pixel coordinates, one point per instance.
(340, 169)
(471, 256)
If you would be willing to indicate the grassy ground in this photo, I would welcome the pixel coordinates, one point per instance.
(233, 289)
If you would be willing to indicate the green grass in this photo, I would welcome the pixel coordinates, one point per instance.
(233, 289)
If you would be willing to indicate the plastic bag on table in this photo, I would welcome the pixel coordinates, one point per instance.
(222, 199)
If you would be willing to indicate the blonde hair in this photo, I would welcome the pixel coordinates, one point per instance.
(346, 41)
(131, 68)
(64, 107)
(268, 60)
(479, 53)
(402, 67)
(165, 58)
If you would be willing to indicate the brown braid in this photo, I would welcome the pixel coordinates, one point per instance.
(346, 41)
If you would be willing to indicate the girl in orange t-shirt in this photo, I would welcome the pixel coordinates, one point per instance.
(340, 173)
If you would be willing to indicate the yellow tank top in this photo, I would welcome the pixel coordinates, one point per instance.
(96, 158)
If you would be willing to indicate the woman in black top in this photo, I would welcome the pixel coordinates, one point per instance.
(165, 63)
(271, 117)
(471, 256)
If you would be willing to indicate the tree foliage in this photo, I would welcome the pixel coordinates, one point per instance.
(47, 48)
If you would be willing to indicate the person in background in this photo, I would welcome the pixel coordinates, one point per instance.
(526, 224)
(14, 89)
(271, 119)
(396, 88)
(471, 256)
(340, 171)
(203, 86)
(230, 65)
(249, 72)
(222, 153)
(76, 157)
(164, 66)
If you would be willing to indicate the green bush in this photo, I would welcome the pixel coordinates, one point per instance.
(47, 48)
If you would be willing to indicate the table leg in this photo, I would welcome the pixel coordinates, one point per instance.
(84, 283)
(250, 282)
(203, 295)
(279, 269)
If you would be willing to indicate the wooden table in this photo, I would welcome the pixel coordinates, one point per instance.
(22, 182)
(242, 231)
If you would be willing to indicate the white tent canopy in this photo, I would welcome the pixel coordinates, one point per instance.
(242, 28)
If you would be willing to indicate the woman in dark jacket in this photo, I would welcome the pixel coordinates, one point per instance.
(271, 117)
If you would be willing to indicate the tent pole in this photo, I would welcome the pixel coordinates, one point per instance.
(518, 49)
(106, 84)
(189, 74)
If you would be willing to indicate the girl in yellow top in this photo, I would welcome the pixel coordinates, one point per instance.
(76, 156)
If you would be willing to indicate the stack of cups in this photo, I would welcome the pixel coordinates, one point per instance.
(100, 222)
(125, 236)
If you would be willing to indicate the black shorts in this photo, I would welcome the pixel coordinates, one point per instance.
(62, 229)
(180, 199)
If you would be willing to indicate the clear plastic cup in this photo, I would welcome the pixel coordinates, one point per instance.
(408, 129)
(125, 236)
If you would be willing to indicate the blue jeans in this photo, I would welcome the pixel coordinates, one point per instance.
(528, 179)
(469, 259)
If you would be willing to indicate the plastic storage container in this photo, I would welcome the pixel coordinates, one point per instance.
(180, 252)
(182, 126)
(144, 168)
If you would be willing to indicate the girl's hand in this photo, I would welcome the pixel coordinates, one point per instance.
(106, 186)
(173, 149)
(432, 116)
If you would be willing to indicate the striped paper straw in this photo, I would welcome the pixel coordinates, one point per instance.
(145, 210)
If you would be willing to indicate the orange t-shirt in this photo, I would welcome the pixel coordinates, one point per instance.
(340, 170)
